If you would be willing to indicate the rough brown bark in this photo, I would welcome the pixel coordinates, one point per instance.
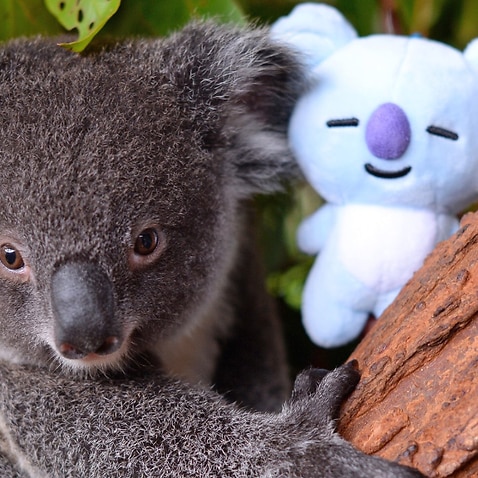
(417, 402)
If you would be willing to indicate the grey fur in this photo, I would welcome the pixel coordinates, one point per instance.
(172, 135)
(156, 427)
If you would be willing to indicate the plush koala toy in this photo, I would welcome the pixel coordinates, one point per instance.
(386, 135)
(129, 287)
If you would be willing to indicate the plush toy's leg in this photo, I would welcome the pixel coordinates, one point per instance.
(335, 305)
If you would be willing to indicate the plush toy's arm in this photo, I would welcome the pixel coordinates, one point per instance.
(314, 230)
(447, 225)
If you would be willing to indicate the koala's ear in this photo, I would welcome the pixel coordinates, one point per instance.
(241, 87)
(316, 30)
(269, 79)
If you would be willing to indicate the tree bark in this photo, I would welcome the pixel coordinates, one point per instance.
(417, 401)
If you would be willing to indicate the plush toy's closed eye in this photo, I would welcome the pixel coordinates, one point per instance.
(436, 130)
(444, 133)
(333, 123)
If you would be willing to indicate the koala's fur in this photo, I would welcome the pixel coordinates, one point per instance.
(171, 136)
(156, 427)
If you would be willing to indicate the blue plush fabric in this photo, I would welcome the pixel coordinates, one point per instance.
(388, 136)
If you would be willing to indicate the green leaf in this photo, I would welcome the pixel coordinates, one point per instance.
(87, 16)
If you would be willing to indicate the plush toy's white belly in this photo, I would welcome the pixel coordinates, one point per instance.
(383, 246)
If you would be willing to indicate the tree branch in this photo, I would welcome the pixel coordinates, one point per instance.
(417, 402)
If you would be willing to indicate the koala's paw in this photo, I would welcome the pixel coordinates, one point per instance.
(306, 383)
(327, 389)
(313, 408)
(320, 394)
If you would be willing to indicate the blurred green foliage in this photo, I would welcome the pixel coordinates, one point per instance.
(451, 21)
(25, 18)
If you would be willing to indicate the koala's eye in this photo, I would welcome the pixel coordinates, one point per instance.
(146, 242)
(444, 133)
(147, 247)
(11, 257)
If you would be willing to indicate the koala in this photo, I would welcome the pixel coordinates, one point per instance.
(124, 235)
(136, 336)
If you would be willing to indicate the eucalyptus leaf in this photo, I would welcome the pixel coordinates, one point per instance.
(86, 16)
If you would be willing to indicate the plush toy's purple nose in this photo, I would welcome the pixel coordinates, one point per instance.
(388, 132)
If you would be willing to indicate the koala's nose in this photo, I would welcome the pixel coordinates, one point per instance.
(83, 307)
(388, 132)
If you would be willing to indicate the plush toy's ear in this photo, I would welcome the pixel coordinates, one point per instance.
(317, 30)
(471, 54)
